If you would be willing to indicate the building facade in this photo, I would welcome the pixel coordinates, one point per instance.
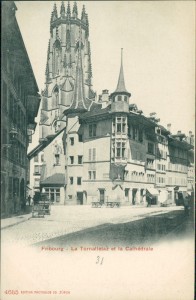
(117, 154)
(110, 150)
(20, 103)
(35, 174)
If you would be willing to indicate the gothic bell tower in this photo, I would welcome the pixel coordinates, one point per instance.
(68, 44)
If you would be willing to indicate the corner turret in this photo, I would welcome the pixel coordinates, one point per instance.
(120, 97)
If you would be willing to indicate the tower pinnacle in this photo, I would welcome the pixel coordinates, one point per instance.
(68, 10)
(75, 10)
(55, 14)
(83, 16)
(62, 11)
(121, 82)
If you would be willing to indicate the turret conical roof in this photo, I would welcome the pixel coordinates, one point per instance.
(121, 81)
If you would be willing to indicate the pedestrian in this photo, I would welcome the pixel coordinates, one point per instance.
(29, 200)
(186, 205)
(15, 202)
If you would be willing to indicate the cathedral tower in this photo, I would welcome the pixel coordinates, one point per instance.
(68, 74)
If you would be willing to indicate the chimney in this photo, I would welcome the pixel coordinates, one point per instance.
(153, 114)
(169, 127)
(105, 96)
(190, 133)
(179, 132)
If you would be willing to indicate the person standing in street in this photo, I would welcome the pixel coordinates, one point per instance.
(29, 200)
(186, 205)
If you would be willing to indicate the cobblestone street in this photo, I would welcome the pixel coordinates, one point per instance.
(65, 220)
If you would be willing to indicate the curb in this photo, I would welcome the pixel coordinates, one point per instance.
(21, 221)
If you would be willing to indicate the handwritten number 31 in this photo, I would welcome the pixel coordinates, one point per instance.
(99, 260)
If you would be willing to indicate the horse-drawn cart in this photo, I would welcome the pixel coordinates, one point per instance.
(41, 207)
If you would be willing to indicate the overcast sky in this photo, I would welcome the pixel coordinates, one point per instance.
(158, 38)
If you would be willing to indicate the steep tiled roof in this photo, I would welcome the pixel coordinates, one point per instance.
(57, 179)
(95, 112)
(121, 81)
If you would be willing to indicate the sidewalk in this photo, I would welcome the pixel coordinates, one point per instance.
(8, 222)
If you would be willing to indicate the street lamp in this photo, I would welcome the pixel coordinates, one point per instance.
(12, 134)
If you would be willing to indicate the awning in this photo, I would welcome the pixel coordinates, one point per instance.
(182, 189)
(153, 191)
(163, 196)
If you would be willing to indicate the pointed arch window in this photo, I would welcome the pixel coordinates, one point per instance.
(56, 57)
(55, 97)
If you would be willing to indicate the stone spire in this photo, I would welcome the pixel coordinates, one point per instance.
(62, 11)
(121, 82)
(47, 67)
(75, 10)
(90, 65)
(55, 13)
(83, 16)
(68, 10)
(87, 27)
